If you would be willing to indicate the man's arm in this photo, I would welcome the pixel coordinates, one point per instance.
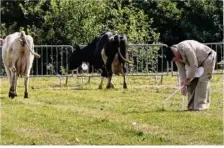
(193, 63)
(182, 71)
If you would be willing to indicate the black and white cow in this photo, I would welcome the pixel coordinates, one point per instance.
(107, 52)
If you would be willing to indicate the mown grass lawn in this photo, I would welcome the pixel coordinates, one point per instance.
(71, 115)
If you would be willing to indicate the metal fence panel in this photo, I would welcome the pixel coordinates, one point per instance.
(149, 60)
(54, 59)
(219, 49)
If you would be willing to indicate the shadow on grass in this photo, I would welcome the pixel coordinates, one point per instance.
(79, 88)
(157, 110)
(2, 98)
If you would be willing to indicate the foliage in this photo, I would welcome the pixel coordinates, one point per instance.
(149, 21)
(178, 20)
(202, 20)
(131, 21)
(69, 22)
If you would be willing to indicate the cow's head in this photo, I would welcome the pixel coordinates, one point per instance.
(121, 40)
(75, 59)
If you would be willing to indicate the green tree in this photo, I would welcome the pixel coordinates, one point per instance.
(202, 20)
(131, 21)
(178, 20)
(69, 22)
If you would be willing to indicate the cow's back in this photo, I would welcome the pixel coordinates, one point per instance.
(101, 44)
(103, 40)
(12, 50)
(8, 47)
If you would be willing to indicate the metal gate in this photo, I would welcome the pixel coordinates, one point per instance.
(149, 60)
(54, 60)
(219, 49)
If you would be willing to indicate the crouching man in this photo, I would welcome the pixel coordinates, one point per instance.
(192, 54)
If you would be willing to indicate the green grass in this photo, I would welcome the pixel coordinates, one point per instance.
(71, 115)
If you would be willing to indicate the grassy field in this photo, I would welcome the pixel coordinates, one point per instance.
(71, 115)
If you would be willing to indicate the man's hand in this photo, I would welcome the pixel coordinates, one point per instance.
(184, 90)
(187, 81)
(184, 85)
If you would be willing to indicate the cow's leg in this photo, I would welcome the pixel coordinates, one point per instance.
(109, 81)
(28, 61)
(124, 83)
(111, 84)
(26, 81)
(103, 74)
(109, 72)
(123, 74)
(8, 72)
(101, 83)
(8, 75)
(12, 75)
(16, 82)
(10, 78)
(13, 79)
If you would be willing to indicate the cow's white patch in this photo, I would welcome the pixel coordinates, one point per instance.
(104, 56)
(116, 66)
(84, 66)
